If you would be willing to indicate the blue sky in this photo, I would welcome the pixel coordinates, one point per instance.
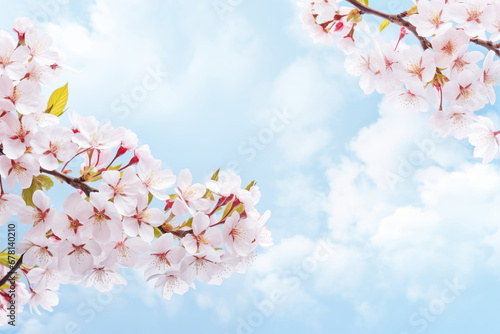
(419, 254)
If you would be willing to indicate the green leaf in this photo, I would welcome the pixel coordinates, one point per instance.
(226, 210)
(412, 11)
(39, 182)
(209, 194)
(4, 258)
(384, 25)
(188, 223)
(57, 101)
(250, 185)
(115, 167)
(158, 233)
(240, 208)
(47, 182)
(150, 198)
(215, 177)
(364, 2)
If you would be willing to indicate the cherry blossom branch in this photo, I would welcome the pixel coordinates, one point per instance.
(396, 19)
(75, 182)
(488, 45)
(12, 271)
(399, 20)
(177, 233)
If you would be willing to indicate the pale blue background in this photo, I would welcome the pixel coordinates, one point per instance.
(228, 74)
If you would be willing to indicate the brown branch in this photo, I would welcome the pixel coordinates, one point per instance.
(12, 271)
(79, 183)
(488, 45)
(399, 20)
(178, 233)
(75, 182)
(396, 19)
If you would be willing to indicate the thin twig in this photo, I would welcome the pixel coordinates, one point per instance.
(75, 182)
(488, 45)
(12, 271)
(396, 19)
(399, 20)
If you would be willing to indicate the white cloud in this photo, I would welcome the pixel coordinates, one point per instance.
(308, 88)
(118, 49)
(440, 222)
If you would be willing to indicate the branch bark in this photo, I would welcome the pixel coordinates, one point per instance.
(488, 45)
(12, 271)
(396, 19)
(79, 183)
(75, 182)
(424, 42)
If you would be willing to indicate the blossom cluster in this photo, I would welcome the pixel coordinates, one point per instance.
(445, 72)
(201, 232)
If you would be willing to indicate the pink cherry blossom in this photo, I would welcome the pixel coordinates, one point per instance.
(170, 282)
(484, 138)
(367, 66)
(78, 254)
(412, 97)
(17, 135)
(40, 45)
(53, 145)
(239, 234)
(25, 97)
(19, 170)
(10, 204)
(12, 58)
(417, 64)
(77, 211)
(203, 237)
(122, 187)
(491, 75)
(126, 251)
(454, 121)
(90, 136)
(46, 299)
(37, 249)
(143, 220)
(264, 237)
(155, 180)
(447, 44)
(42, 216)
(466, 91)
(164, 255)
(110, 222)
(475, 16)
(21, 26)
(104, 224)
(464, 60)
(432, 17)
(191, 195)
(103, 277)
(201, 266)
(46, 278)
(227, 185)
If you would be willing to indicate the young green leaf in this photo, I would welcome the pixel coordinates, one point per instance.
(384, 25)
(250, 185)
(158, 233)
(39, 182)
(57, 101)
(215, 177)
